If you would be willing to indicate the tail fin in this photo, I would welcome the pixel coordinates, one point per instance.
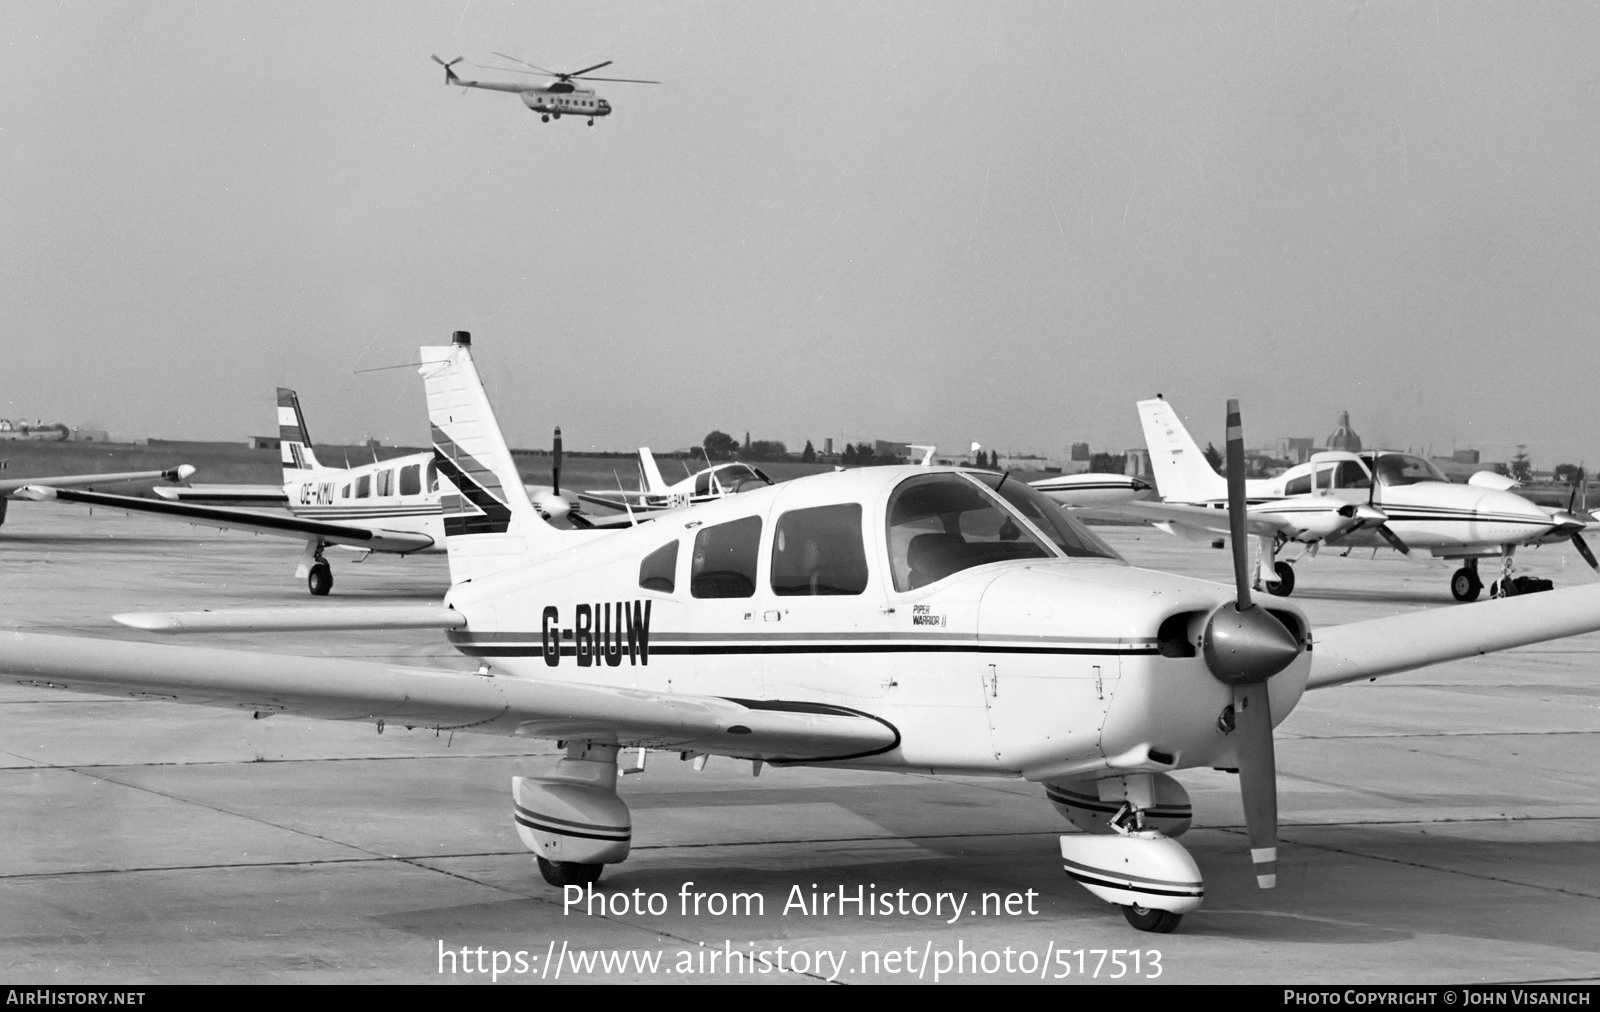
(490, 525)
(1181, 471)
(653, 482)
(293, 438)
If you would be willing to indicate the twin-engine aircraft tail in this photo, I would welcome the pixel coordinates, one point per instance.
(653, 482)
(293, 438)
(1181, 471)
(491, 524)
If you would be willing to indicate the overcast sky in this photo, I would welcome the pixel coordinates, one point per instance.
(931, 222)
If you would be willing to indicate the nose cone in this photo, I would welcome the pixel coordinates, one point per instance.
(1245, 647)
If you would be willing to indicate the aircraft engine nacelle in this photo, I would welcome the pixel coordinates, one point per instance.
(1081, 803)
(565, 821)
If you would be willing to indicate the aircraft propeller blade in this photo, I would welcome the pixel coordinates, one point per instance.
(1394, 540)
(555, 463)
(1244, 646)
(1584, 550)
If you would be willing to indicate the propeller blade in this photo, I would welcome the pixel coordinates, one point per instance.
(525, 63)
(555, 464)
(1258, 778)
(585, 70)
(1583, 550)
(1393, 539)
(1236, 506)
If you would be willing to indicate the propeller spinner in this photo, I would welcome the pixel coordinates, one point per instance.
(1244, 646)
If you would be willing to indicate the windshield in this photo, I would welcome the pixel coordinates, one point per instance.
(940, 524)
(740, 477)
(1072, 536)
(1403, 469)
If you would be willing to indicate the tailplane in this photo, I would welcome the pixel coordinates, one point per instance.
(1181, 470)
(490, 524)
(293, 440)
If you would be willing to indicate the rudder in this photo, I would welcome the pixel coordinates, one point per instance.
(1181, 471)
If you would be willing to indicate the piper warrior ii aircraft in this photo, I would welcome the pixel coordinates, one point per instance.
(703, 486)
(1332, 500)
(388, 506)
(888, 618)
(14, 488)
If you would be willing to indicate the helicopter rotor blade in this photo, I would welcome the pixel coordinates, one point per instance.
(514, 70)
(525, 63)
(585, 70)
(618, 80)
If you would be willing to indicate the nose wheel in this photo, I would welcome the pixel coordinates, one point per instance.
(1160, 922)
(1285, 585)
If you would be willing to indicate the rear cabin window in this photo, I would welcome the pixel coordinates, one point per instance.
(364, 486)
(344, 493)
(433, 476)
(659, 569)
(385, 483)
(818, 552)
(411, 479)
(725, 559)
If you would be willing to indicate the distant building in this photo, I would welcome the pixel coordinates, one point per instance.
(1465, 456)
(1294, 449)
(265, 442)
(1080, 451)
(1137, 464)
(1344, 437)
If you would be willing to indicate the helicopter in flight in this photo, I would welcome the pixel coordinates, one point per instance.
(559, 97)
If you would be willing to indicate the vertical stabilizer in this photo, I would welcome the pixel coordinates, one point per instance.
(653, 482)
(489, 524)
(1181, 471)
(294, 441)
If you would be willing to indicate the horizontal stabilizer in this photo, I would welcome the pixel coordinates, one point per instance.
(340, 689)
(405, 616)
(1384, 646)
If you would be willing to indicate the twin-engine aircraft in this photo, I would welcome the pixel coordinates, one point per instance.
(1333, 500)
(560, 97)
(13, 488)
(887, 618)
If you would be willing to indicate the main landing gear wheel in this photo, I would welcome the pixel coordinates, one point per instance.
(1160, 922)
(544, 118)
(571, 873)
(320, 580)
(1285, 585)
(1465, 585)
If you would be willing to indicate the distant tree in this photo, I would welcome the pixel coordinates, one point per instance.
(719, 445)
(764, 449)
(849, 454)
(1106, 463)
(864, 454)
(1569, 473)
(1522, 465)
(808, 455)
(1213, 458)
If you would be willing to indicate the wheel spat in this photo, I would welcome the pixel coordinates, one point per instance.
(1245, 646)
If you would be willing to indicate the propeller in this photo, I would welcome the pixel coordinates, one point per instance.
(449, 75)
(576, 75)
(553, 505)
(1567, 520)
(1245, 646)
(1384, 529)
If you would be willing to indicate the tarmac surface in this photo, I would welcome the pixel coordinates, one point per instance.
(1439, 826)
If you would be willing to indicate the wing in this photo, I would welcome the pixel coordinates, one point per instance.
(77, 480)
(222, 495)
(339, 689)
(282, 525)
(1213, 521)
(1385, 646)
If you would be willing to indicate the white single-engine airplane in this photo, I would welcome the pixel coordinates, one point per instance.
(703, 486)
(386, 506)
(12, 488)
(888, 618)
(1332, 500)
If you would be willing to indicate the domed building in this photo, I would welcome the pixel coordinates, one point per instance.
(1344, 437)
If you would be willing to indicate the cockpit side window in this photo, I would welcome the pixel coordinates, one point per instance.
(702, 483)
(411, 479)
(659, 570)
(940, 524)
(818, 552)
(1404, 469)
(725, 559)
(1351, 475)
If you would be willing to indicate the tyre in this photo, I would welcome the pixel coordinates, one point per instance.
(320, 579)
(1465, 585)
(1160, 922)
(1285, 585)
(545, 118)
(565, 873)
